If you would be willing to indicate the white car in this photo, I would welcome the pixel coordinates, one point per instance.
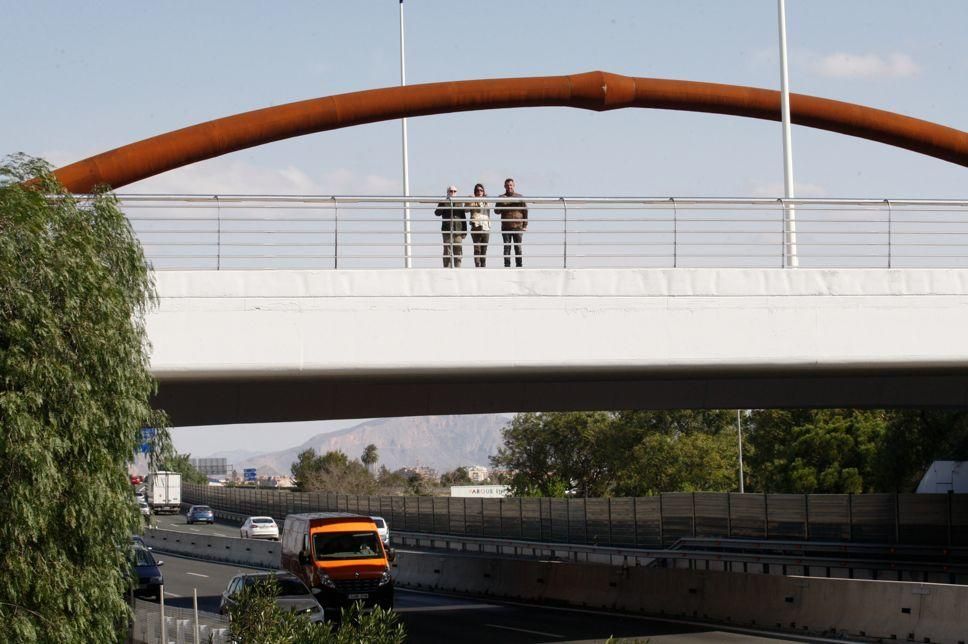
(383, 529)
(259, 528)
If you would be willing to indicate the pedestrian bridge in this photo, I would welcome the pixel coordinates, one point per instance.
(643, 307)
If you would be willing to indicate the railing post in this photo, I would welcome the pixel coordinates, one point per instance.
(675, 233)
(890, 233)
(564, 260)
(218, 240)
(766, 515)
(609, 499)
(661, 530)
(635, 521)
(783, 245)
(567, 520)
(806, 517)
(335, 233)
(850, 516)
(694, 514)
(950, 496)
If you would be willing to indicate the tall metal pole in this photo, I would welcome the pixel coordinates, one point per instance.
(790, 232)
(406, 161)
(739, 434)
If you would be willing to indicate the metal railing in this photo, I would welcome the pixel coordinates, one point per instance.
(915, 519)
(319, 232)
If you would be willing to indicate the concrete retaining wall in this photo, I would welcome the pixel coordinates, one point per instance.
(805, 605)
(245, 552)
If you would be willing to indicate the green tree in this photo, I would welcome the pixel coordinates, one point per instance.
(625, 453)
(913, 440)
(815, 451)
(180, 463)
(332, 472)
(458, 476)
(674, 450)
(75, 391)
(370, 457)
(551, 453)
(257, 619)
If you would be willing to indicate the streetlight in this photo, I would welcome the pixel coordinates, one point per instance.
(406, 163)
(790, 231)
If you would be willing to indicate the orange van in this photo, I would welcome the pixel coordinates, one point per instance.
(340, 556)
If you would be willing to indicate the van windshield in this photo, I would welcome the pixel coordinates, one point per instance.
(347, 545)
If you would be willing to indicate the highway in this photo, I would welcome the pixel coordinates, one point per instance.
(433, 617)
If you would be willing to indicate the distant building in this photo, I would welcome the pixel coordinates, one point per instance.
(217, 467)
(477, 473)
(945, 476)
(277, 481)
(426, 473)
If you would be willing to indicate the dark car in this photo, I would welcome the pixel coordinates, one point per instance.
(148, 576)
(200, 514)
(292, 593)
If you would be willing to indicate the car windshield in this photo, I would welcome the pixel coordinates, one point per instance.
(143, 558)
(201, 508)
(380, 523)
(287, 585)
(347, 545)
(263, 520)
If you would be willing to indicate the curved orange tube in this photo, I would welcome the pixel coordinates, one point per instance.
(592, 90)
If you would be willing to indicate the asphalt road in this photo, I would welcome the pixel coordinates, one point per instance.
(432, 617)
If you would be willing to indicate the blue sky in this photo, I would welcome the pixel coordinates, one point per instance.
(84, 77)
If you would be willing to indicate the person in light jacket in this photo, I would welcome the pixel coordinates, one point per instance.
(453, 227)
(514, 221)
(480, 220)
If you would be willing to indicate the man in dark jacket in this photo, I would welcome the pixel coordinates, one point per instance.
(514, 221)
(453, 228)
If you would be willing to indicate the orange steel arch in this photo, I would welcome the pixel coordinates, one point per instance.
(592, 90)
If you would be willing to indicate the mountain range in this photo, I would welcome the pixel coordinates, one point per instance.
(440, 442)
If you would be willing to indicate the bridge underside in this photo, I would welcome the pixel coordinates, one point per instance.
(259, 346)
(210, 402)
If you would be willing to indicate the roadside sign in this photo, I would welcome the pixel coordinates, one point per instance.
(248, 474)
(147, 438)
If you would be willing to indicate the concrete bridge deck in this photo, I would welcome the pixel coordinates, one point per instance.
(262, 346)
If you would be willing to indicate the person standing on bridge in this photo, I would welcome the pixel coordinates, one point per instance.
(514, 221)
(453, 227)
(480, 217)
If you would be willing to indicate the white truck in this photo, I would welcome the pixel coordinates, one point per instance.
(163, 490)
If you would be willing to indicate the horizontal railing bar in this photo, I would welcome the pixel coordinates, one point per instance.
(434, 199)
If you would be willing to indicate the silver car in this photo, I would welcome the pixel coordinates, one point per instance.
(259, 528)
(383, 528)
(292, 593)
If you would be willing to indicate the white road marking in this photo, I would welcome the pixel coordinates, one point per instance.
(168, 594)
(524, 630)
(429, 609)
(196, 574)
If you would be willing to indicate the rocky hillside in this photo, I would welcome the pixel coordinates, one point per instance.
(441, 442)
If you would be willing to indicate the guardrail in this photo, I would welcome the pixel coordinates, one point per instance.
(916, 519)
(323, 232)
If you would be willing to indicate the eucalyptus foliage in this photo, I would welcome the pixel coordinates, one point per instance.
(257, 619)
(74, 394)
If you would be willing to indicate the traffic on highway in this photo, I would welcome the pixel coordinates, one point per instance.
(437, 617)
